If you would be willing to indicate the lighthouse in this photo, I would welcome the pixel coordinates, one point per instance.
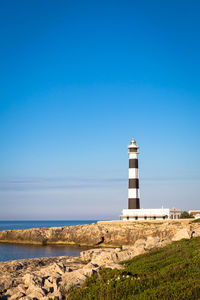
(133, 176)
(134, 212)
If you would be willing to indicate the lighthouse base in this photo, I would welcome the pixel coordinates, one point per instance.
(150, 214)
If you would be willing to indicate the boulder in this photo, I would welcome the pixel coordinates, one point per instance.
(181, 234)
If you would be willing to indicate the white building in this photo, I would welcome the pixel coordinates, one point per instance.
(195, 213)
(150, 214)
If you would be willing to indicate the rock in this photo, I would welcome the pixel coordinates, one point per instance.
(36, 294)
(14, 293)
(22, 288)
(140, 243)
(59, 268)
(152, 242)
(88, 255)
(113, 234)
(114, 266)
(181, 234)
(32, 280)
(16, 296)
(92, 266)
(88, 271)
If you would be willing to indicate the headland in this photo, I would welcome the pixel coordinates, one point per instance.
(105, 234)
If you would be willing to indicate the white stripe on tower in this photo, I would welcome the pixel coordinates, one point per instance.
(133, 173)
(133, 176)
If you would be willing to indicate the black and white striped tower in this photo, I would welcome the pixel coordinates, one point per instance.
(133, 176)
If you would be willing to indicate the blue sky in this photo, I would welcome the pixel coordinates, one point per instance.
(78, 81)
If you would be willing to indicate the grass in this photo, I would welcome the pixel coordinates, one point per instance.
(172, 272)
(196, 221)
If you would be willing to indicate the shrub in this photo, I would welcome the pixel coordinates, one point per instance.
(186, 215)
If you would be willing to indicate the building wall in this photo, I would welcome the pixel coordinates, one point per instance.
(195, 213)
(150, 214)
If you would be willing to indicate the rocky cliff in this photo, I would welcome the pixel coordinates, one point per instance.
(105, 234)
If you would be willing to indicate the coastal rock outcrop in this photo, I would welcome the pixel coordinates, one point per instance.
(104, 234)
(44, 278)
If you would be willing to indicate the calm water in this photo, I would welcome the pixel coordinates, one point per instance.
(38, 224)
(14, 251)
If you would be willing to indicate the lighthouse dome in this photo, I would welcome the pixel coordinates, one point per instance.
(133, 144)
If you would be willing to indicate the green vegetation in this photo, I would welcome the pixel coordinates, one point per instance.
(196, 221)
(172, 272)
(186, 215)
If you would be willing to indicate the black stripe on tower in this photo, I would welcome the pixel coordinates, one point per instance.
(133, 183)
(133, 203)
(133, 149)
(133, 163)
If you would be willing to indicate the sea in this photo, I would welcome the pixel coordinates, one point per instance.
(19, 251)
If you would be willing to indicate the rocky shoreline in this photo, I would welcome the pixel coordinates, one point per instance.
(102, 234)
(44, 278)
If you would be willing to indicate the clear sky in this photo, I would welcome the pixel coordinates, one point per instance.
(78, 80)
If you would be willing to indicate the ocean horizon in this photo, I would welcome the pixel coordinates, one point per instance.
(26, 224)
